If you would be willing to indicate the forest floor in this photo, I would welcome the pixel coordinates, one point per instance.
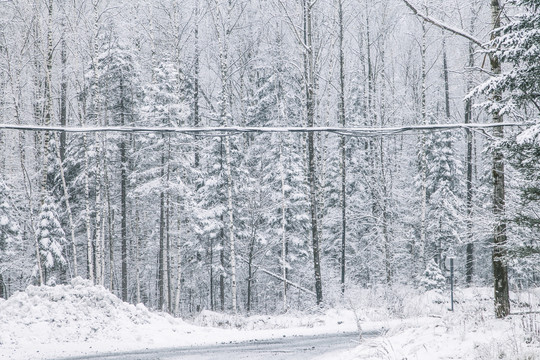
(80, 319)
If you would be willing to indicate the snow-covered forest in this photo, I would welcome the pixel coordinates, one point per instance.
(261, 222)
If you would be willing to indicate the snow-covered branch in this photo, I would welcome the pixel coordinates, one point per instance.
(444, 26)
(299, 287)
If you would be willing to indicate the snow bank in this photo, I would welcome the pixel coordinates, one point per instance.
(79, 318)
(450, 338)
(66, 313)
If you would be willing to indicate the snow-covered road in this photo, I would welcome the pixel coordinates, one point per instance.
(298, 347)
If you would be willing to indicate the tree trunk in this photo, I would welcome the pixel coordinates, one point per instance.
(446, 80)
(123, 197)
(283, 228)
(423, 160)
(500, 270)
(309, 62)
(162, 244)
(137, 251)
(222, 275)
(231, 224)
(178, 263)
(63, 93)
(343, 166)
(110, 227)
(250, 272)
(196, 70)
(68, 209)
(98, 244)
(469, 264)
(212, 302)
(167, 229)
(89, 249)
(223, 38)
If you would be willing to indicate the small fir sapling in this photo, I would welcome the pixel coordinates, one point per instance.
(432, 278)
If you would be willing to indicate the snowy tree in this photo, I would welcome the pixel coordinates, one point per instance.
(9, 232)
(8, 226)
(518, 43)
(445, 204)
(432, 278)
(51, 240)
(515, 92)
(158, 156)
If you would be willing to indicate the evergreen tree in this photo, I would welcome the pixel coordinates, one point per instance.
(51, 240)
(161, 163)
(8, 226)
(9, 232)
(518, 43)
(116, 78)
(444, 200)
(432, 278)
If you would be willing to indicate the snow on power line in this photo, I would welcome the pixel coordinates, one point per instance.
(236, 130)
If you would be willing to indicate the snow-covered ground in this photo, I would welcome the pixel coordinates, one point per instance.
(79, 319)
(470, 332)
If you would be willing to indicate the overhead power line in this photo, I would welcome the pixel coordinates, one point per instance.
(237, 130)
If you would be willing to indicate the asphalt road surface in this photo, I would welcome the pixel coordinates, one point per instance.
(287, 348)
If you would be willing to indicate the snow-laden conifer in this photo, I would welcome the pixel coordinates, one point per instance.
(518, 43)
(8, 226)
(432, 278)
(51, 241)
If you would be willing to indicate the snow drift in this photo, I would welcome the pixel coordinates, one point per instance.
(67, 313)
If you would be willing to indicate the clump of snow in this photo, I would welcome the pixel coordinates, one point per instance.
(530, 135)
